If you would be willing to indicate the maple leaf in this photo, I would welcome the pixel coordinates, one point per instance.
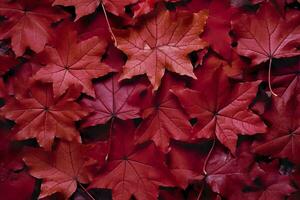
(164, 119)
(28, 24)
(71, 63)
(268, 183)
(132, 170)
(284, 133)
(85, 7)
(188, 164)
(226, 174)
(267, 35)
(111, 102)
(43, 117)
(162, 42)
(222, 108)
(60, 170)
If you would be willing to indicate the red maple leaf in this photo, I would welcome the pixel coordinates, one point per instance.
(162, 42)
(41, 116)
(222, 108)
(111, 102)
(70, 62)
(164, 118)
(266, 34)
(221, 171)
(28, 23)
(283, 136)
(132, 170)
(267, 184)
(61, 170)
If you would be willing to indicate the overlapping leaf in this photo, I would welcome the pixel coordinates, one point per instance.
(266, 34)
(132, 170)
(61, 170)
(28, 23)
(162, 42)
(164, 118)
(222, 109)
(111, 102)
(283, 137)
(44, 117)
(71, 62)
(188, 164)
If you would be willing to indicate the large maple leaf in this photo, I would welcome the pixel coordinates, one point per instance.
(132, 170)
(85, 7)
(111, 102)
(70, 62)
(283, 137)
(44, 117)
(28, 23)
(222, 108)
(60, 170)
(266, 34)
(164, 118)
(162, 42)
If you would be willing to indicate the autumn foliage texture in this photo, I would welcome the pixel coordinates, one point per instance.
(150, 99)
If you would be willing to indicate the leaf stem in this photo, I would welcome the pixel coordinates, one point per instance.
(208, 156)
(201, 191)
(83, 188)
(109, 137)
(108, 24)
(269, 78)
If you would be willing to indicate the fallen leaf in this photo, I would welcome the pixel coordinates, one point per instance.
(29, 23)
(162, 42)
(44, 117)
(128, 171)
(61, 170)
(73, 63)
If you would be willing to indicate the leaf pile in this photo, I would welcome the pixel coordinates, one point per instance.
(150, 99)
